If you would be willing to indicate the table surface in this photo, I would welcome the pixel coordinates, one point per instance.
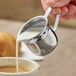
(62, 61)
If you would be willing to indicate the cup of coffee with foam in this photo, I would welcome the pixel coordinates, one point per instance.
(26, 67)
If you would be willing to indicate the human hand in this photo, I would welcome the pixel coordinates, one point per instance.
(67, 8)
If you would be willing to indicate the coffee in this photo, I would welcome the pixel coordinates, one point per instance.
(12, 69)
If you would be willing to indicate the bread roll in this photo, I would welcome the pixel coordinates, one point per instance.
(8, 45)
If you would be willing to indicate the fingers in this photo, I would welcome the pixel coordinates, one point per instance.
(73, 2)
(55, 3)
(63, 11)
(54, 12)
(67, 8)
(71, 12)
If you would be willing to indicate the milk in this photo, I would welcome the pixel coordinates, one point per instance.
(30, 33)
(17, 63)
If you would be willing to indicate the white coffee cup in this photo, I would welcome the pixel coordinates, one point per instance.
(6, 61)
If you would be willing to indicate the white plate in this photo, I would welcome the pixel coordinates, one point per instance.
(26, 53)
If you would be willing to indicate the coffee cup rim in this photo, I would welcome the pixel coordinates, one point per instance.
(25, 59)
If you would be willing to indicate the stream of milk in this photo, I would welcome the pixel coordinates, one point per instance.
(24, 36)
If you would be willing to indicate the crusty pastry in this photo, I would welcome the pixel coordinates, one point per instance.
(8, 45)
